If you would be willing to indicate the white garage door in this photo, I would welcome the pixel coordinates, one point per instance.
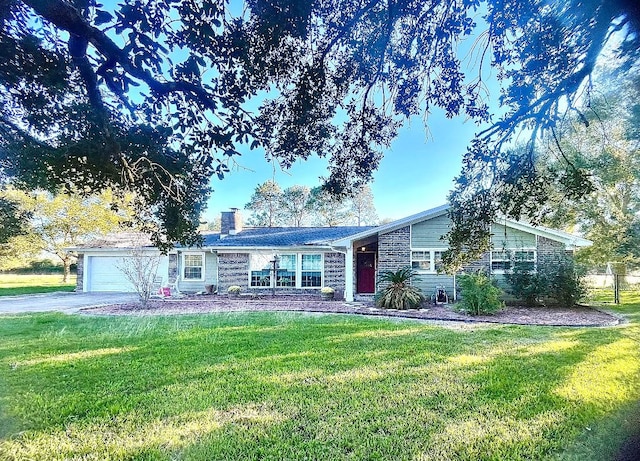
(104, 275)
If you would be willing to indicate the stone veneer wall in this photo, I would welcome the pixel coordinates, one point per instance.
(233, 269)
(334, 276)
(394, 250)
(173, 268)
(80, 272)
(547, 247)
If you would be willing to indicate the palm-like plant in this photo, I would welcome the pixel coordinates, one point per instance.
(397, 291)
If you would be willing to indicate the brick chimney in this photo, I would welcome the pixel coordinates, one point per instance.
(230, 222)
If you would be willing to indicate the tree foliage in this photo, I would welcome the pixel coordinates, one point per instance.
(266, 205)
(300, 206)
(607, 149)
(60, 221)
(363, 208)
(157, 96)
(295, 205)
(20, 251)
(328, 209)
(13, 220)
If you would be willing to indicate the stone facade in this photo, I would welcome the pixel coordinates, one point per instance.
(547, 247)
(334, 277)
(394, 250)
(233, 269)
(80, 272)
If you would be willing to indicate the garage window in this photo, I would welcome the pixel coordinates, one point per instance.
(193, 266)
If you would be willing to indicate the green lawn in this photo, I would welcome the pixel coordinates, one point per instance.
(18, 284)
(294, 386)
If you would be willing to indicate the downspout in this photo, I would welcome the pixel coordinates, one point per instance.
(217, 274)
(455, 295)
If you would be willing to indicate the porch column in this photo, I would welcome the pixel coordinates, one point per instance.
(348, 276)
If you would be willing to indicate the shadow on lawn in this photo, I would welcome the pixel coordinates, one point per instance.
(324, 386)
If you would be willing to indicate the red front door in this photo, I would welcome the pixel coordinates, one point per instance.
(366, 264)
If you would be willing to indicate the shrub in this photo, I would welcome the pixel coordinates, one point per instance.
(398, 293)
(525, 284)
(563, 278)
(141, 271)
(479, 294)
(327, 291)
(234, 289)
(557, 280)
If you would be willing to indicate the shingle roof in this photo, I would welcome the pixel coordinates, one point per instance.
(282, 236)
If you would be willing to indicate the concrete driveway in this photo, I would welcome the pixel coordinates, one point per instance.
(60, 302)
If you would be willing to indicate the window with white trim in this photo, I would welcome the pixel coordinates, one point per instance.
(260, 270)
(294, 270)
(287, 271)
(525, 259)
(424, 260)
(504, 260)
(193, 266)
(421, 260)
(311, 271)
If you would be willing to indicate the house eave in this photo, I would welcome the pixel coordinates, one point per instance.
(394, 225)
(241, 249)
(110, 249)
(570, 240)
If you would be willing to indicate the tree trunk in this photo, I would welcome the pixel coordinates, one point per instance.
(66, 263)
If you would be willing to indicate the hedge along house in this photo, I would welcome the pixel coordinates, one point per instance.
(305, 259)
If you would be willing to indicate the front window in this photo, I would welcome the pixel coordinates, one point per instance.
(437, 260)
(505, 260)
(311, 275)
(500, 260)
(193, 266)
(525, 259)
(261, 268)
(286, 271)
(421, 260)
(427, 260)
(293, 270)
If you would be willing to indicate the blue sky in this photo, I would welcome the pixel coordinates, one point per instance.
(416, 173)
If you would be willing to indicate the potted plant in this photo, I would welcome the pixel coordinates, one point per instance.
(327, 293)
(234, 291)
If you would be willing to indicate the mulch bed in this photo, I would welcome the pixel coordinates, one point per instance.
(575, 316)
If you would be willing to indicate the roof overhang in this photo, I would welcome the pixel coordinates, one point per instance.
(394, 225)
(570, 240)
(241, 249)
